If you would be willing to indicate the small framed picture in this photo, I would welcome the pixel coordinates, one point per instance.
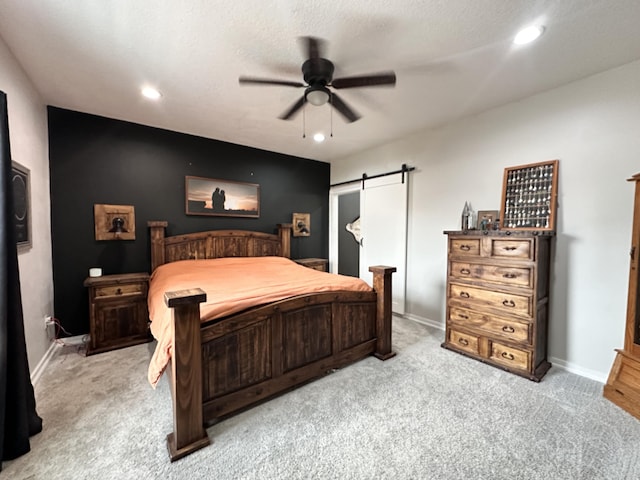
(488, 219)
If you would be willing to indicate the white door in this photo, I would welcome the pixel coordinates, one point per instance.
(383, 224)
(383, 217)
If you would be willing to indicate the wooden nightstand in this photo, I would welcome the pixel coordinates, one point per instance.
(315, 263)
(118, 313)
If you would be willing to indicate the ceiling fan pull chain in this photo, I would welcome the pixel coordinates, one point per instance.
(304, 120)
(331, 117)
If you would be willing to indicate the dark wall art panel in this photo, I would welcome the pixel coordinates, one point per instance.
(97, 160)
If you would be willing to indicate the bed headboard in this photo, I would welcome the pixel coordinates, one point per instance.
(216, 244)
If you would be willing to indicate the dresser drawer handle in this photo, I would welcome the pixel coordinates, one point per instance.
(465, 248)
(509, 249)
(509, 303)
(119, 291)
(508, 356)
(510, 275)
(463, 341)
(465, 271)
(465, 295)
(464, 317)
(508, 329)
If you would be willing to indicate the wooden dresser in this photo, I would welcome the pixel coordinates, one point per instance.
(498, 298)
(118, 314)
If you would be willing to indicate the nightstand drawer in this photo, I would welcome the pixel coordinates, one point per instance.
(118, 314)
(119, 290)
(520, 277)
(493, 326)
(510, 357)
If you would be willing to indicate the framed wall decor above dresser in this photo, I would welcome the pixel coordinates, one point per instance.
(529, 197)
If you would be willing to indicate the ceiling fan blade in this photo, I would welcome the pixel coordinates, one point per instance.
(293, 110)
(342, 107)
(268, 81)
(384, 78)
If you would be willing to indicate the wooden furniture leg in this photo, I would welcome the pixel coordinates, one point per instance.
(188, 433)
(382, 286)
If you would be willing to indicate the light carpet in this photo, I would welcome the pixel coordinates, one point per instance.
(428, 413)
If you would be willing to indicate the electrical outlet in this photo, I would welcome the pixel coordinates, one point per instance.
(48, 320)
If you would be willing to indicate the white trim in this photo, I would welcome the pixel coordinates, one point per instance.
(42, 364)
(334, 194)
(555, 362)
(425, 321)
(50, 353)
(578, 370)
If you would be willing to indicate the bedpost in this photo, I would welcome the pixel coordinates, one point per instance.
(188, 433)
(157, 243)
(284, 230)
(382, 286)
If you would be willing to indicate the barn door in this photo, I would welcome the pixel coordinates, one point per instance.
(383, 229)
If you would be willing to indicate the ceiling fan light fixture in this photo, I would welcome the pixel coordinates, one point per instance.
(317, 95)
(528, 34)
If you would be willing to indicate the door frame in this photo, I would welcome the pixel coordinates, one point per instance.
(334, 194)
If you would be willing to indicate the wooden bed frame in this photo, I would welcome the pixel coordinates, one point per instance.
(226, 365)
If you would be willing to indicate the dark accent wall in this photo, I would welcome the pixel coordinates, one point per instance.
(94, 159)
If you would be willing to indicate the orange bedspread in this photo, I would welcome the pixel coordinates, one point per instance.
(232, 285)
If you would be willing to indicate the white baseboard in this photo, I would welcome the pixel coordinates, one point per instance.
(556, 362)
(42, 364)
(583, 372)
(425, 321)
(49, 354)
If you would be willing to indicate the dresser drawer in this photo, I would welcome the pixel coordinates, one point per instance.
(510, 357)
(464, 246)
(464, 341)
(510, 303)
(492, 326)
(516, 276)
(119, 290)
(512, 248)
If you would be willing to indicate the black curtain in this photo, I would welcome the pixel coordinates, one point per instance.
(18, 417)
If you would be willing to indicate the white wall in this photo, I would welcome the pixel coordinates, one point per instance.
(592, 127)
(30, 147)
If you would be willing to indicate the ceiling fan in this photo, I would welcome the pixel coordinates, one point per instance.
(318, 76)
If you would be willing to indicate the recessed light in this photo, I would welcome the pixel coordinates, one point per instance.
(319, 137)
(528, 34)
(151, 93)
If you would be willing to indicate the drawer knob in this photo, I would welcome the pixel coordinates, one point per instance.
(464, 295)
(508, 356)
(465, 248)
(463, 341)
(464, 317)
(465, 271)
(508, 329)
(509, 275)
(119, 291)
(509, 249)
(509, 303)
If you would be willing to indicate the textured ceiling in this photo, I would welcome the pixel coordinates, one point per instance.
(452, 58)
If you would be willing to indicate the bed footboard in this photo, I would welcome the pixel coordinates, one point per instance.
(226, 365)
